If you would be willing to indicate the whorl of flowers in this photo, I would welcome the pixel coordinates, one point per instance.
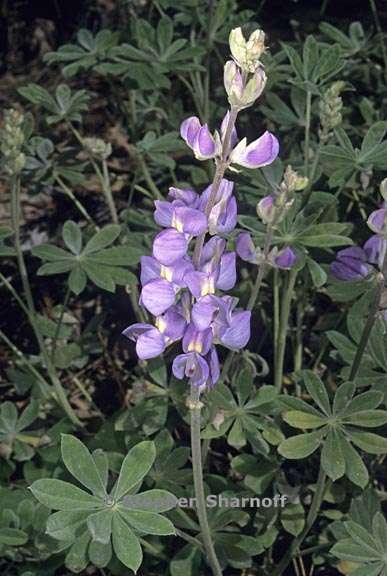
(184, 281)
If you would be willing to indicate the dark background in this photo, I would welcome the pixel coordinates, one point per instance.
(29, 27)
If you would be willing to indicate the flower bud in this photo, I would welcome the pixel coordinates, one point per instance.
(377, 221)
(266, 209)
(261, 152)
(284, 259)
(98, 147)
(247, 54)
(239, 95)
(293, 182)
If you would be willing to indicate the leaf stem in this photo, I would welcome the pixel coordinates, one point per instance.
(307, 130)
(66, 190)
(60, 320)
(195, 406)
(373, 314)
(15, 215)
(310, 520)
(280, 345)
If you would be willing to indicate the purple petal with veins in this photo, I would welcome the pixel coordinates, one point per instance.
(375, 249)
(237, 335)
(169, 246)
(150, 269)
(285, 259)
(245, 247)
(227, 272)
(203, 311)
(189, 221)
(149, 341)
(157, 296)
(189, 130)
(164, 213)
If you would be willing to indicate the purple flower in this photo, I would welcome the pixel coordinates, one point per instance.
(182, 218)
(149, 340)
(245, 248)
(350, 264)
(152, 269)
(261, 152)
(223, 216)
(237, 333)
(193, 366)
(284, 259)
(170, 246)
(198, 138)
(375, 249)
(157, 296)
(195, 340)
(377, 221)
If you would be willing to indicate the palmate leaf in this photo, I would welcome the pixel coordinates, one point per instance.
(98, 261)
(340, 427)
(365, 547)
(97, 525)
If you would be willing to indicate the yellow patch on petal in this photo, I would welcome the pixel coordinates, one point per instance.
(166, 273)
(161, 324)
(195, 347)
(176, 223)
(208, 287)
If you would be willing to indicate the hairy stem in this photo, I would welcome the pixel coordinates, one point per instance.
(283, 329)
(307, 130)
(195, 406)
(107, 190)
(310, 520)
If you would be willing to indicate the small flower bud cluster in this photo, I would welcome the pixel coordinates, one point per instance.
(271, 210)
(12, 139)
(243, 91)
(98, 147)
(331, 105)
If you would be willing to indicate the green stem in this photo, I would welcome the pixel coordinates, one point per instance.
(373, 314)
(262, 268)
(307, 130)
(107, 190)
(15, 215)
(276, 312)
(66, 190)
(283, 329)
(60, 320)
(148, 178)
(380, 32)
(311, 518)
(299, 340)
(195, 406)
(190, 539)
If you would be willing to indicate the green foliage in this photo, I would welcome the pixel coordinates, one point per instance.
(94, 262)
(91, 526)
(338, 428)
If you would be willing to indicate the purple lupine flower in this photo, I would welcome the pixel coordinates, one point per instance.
(245, 248)
(198, 138)
(182, 218)
(375, 249)
(377, 221)
(150, 342)
(152, 269)
(350, 264)
(223, 216)
(157, 296)
(261, 152)
(284, 259)
(193, 366)
(170, 246)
